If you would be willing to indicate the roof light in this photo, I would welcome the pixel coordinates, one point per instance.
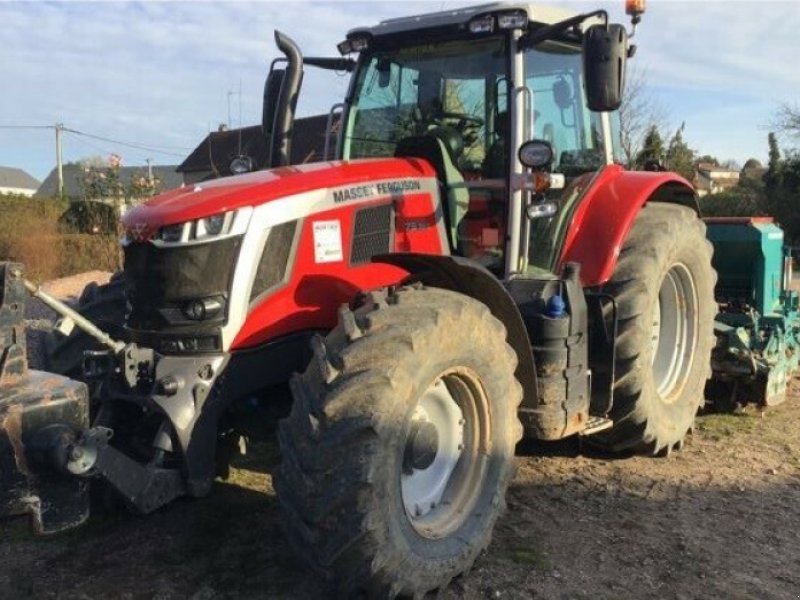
(517, 19)
(355, 42)
(482, 24)
(345, 47)
(359, 43)
(634, 7)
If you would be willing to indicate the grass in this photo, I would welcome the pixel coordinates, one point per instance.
(718, 426)
(528, 556)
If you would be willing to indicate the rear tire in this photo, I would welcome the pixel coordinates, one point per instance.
(105, 306)
(399, 447)
(664, 288)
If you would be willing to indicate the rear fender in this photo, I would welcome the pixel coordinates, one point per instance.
(471, 279)
(606, 213)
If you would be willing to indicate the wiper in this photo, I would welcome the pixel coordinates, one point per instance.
(551, 31)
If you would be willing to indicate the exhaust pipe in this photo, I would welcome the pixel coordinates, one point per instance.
(280, 139)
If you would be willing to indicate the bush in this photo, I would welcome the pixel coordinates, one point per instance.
(89, 217)
(30, 233)
(85, 252)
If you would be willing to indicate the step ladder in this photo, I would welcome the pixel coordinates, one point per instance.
(596, 425)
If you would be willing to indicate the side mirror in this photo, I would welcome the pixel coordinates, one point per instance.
(605, 51)
(272, 90)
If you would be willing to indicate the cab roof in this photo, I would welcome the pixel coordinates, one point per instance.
(538, 14)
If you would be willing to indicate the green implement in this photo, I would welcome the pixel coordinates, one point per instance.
(757, 324)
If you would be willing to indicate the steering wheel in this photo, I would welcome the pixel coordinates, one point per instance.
(466, 118)
(467, 123)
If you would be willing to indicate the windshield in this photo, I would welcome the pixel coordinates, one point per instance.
(408, 91)
(456, 94)
(554, 73)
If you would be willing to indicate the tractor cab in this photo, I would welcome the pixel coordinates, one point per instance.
(464, 90)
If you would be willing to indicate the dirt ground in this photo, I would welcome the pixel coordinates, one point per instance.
(720, 519)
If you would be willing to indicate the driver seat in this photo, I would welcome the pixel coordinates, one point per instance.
(442, 146)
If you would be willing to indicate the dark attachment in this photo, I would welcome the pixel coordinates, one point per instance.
(272, 90)
(40, 413)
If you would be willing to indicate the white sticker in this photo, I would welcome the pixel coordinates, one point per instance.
(327, 241)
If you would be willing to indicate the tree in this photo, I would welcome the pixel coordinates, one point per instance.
(787, 119)
(772, 178)
(706, 159)
(745, 199)
(679, 157)
(639, 112)
(652, 151)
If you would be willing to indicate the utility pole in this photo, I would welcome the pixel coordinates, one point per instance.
(150, 170)
(59, 164)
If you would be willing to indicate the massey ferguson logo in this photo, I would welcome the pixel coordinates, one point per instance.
(139, 232)
(385, 188)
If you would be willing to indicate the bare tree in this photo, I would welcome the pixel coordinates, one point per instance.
(787, 119)
(640, 111)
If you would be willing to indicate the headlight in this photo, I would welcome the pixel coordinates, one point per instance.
(201, 229)
(171, 234)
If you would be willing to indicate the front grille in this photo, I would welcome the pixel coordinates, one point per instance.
(161, 280)
(372, 233)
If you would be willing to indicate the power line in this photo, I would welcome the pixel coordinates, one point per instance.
(129, 144)
(27, 126)
(105, 150)
(157, 149)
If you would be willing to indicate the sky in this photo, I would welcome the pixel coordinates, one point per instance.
(162, 75)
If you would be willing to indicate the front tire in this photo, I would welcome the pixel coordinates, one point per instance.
(400, 443)
(664, 288)
(105, 306)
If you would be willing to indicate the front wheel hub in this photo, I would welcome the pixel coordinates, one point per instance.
(444, 453)
(421, 447)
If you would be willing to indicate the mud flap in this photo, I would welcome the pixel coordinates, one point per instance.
(36, 410)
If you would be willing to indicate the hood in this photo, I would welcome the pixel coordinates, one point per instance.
(220, 195)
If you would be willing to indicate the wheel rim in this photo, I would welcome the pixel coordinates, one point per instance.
(674, 331)
(444, 454)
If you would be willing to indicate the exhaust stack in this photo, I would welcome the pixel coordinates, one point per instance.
(281, 91)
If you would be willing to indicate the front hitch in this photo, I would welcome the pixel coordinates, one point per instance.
(40, 414)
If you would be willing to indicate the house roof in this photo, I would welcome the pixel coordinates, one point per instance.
(219, 148)
(73, 173)
(11, 177)
(715, 170)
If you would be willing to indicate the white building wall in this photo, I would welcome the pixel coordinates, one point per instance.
(22, 191)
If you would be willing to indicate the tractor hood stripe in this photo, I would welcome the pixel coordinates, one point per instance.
(352, 180)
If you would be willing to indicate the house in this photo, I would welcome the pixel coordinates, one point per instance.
(17, 181)
(213, 156)
(711, 179)
(74, 173)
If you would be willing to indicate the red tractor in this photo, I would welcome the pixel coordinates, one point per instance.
(473, 268)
